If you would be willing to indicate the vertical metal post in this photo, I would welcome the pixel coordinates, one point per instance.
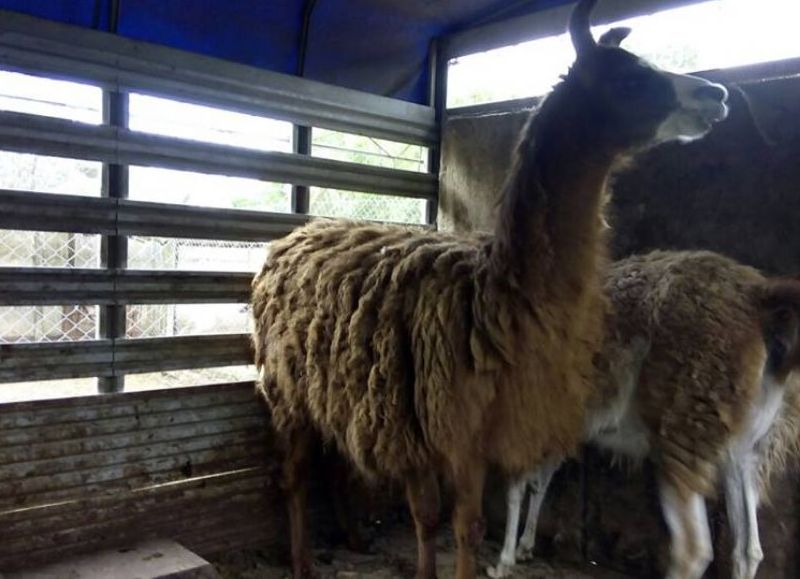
(114, 248)
(437, 95)
(301, 144)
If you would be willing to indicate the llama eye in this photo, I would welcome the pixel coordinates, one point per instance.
(629, 86)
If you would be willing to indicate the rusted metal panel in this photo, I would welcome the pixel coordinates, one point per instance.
(30, 285)
(48, 361)
(223, 503)
(26, 210)
(113, 478)
(26, 133)
(83, 453)
(199, 486)
(191, 464)
(66, 515)
(64, 439)
(89, 410)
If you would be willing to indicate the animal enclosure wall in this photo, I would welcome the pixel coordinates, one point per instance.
(132, 221)
(731, 193)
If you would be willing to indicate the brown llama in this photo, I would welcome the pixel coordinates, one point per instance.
(699, 373)
(421, 354)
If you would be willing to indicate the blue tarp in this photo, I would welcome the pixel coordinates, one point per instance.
(378, 46)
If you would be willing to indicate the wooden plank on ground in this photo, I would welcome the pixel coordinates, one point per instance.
(155, 559)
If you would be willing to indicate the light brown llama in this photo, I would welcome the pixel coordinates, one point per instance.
(420, 354)
(697, 375)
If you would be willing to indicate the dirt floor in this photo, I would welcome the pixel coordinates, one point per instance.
(391, 557)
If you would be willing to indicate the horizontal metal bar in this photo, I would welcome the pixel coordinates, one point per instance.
(25, 210)
(47, 136)
(34, 45)
(51, 361)
(165, 220)
(754, 73)
(39, 286)
(543, 23)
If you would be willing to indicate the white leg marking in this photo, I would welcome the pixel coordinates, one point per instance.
(737, 516)
(686, 517)
(516, 491)
(754, 552)
(742, 498)
(538, 484)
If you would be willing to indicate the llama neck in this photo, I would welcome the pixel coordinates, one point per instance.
(549, 232)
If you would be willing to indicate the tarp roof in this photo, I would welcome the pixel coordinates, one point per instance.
(378, 46)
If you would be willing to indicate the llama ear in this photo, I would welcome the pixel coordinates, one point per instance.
(579, 30)
(614, 36)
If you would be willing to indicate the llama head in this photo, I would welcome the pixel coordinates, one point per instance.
(637, 103)
(782, 326)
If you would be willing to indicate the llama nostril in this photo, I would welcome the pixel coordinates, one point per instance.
(714, 92)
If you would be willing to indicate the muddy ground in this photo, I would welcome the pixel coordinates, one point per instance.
(392, 556)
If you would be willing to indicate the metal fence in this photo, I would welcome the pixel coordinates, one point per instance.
(116, 214)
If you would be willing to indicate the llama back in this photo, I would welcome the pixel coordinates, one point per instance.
(354, 333)
(700, 313)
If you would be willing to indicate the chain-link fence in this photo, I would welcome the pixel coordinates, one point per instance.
(43, 174)
(160, 320)
(20, 324)
(48, 249)
(367, 206)
(195, 254)
(184, 378)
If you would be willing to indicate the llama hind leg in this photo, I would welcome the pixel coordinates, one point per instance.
(295, 479)
(468, 523)
(514, 496)
(741, 500)
(685, 514)
(538, 483)
(422, 492)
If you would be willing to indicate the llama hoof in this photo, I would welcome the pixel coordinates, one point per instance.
(524, 553)
(498, 571)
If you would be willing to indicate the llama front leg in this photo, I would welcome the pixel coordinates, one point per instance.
(686, 518)
(538, 483)
(741, 500)
(516, 491)
(422, 492)
(468, 524)
(295, 479)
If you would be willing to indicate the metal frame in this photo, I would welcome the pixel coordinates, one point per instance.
(27, 133)
(114, 247)
(122, 66)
